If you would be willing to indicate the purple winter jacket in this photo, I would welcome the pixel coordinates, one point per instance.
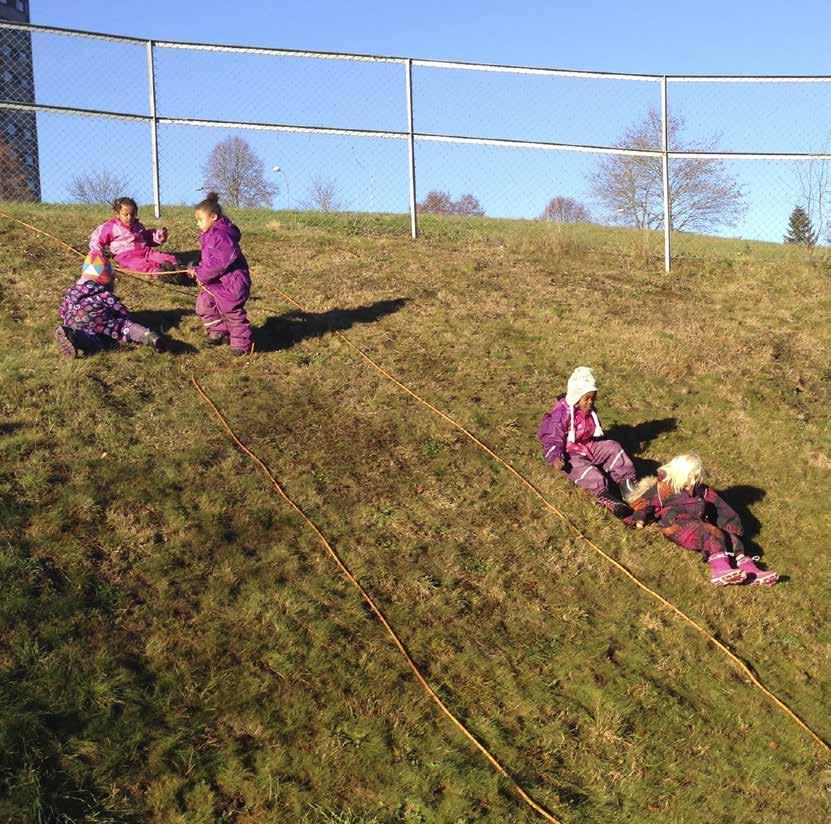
(221, 253)
(554, 431)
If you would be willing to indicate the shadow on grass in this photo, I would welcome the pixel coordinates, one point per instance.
(286, 330)
(7, 427)
(186, 258)
(163, 320)
(635, 438)
(740, 498)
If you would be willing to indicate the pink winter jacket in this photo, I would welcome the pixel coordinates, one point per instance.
(565, 430)
(120, 239)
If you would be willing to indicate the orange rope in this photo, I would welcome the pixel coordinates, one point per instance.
(742, 666)
(375, 609)
(130, 273)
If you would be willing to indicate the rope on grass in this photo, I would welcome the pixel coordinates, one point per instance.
(130, 273)
(375, 609)
(741, 665)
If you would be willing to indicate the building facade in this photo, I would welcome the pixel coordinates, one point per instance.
(19, 162)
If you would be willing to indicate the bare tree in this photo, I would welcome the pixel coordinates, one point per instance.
(813, 187)
(237, 175)
(630, 188)
(14, 184)
(323, 196)
(468, 206)
(565, 210)
(437, 202)
(102, 186)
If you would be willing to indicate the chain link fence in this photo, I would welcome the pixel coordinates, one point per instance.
(417, 144)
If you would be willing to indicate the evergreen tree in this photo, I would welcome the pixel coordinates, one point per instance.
(800, 229)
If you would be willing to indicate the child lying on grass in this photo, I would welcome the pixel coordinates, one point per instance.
(692, 515)
(573, 442)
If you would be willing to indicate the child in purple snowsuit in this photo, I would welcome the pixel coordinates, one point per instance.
(129, 242)
(93, 318)
(695, 517)
(223, 272)
(573, 442)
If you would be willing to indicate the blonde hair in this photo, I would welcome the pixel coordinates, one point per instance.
(685, 470)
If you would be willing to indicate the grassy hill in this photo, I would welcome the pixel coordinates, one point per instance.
(175, 645)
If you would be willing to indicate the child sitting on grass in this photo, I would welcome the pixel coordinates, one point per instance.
(93, 317)
(130, 243)
(573, 442)
(692, 515)
(223, 271)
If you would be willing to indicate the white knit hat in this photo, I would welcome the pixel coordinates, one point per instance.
(581, 381)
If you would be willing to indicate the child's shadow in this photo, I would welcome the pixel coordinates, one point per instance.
(740, 498)
(635, 438)
(286, 330)
(163, 320)
(187, 258)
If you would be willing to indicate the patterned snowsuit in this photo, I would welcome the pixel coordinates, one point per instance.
(568, 434)
(130, 246)
(97, 316)
(224, 273)
(702, 522)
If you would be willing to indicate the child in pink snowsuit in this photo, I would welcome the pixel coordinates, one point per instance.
(573, 441)
(223, 272)
(129, 242)
(694, 516)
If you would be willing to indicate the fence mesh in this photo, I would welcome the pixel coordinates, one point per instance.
(60, 156)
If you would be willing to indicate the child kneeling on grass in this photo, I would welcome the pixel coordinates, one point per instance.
(93, 317)
(573, 441)
(694, 516)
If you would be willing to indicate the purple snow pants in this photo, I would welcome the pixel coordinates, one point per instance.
(608, 458)
(223, 310)
(144, 260)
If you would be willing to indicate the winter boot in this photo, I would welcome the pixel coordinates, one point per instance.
(617, 508)
(65, 339)
(756, 576)
(154, 339)
(217, 340)
(239, 352)
(721, 573)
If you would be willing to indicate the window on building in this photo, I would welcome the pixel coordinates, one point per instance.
(21, 6)
(7, 76)
(30, 161)
(7, 51)
(10, 129)
(27, 134)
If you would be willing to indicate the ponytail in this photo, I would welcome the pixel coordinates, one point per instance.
(210, 205)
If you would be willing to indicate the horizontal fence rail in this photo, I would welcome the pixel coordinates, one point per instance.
(442, 109)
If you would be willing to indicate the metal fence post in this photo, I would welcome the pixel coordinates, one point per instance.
(154, 137)
(411, 147)
(667, 205)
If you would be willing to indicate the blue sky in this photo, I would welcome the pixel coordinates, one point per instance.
(647, 37)
(705, 37)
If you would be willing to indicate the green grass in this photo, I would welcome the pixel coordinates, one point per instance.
(176, 646)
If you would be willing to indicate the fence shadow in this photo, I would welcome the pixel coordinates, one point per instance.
(636, 438)
(284, 331)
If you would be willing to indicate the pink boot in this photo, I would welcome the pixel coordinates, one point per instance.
(756, 576)
(721, 573)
